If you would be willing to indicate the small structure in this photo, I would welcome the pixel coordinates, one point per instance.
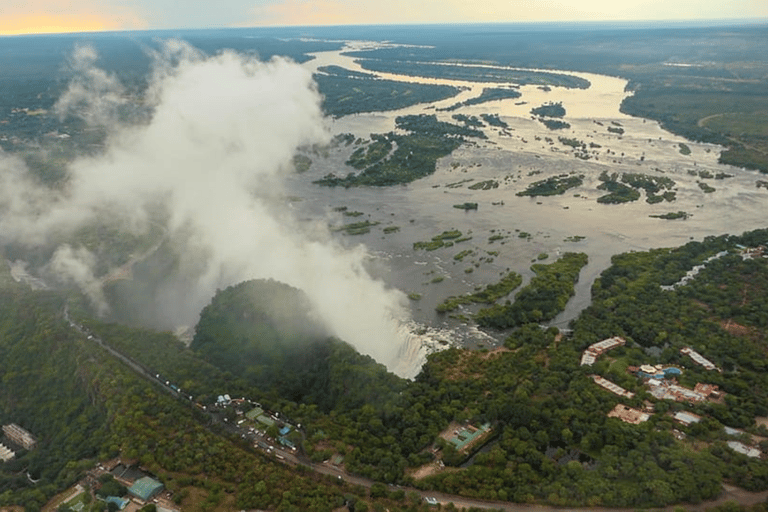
(145, 488)
(466, 436)
(744, 449)
(610, 386)
(628, 414)
(664, 390)
(686, 418)
(19, 436)
(699, 359)
(708, 390)
(6, 453)
(748, 253)
(120, 502)
(595, 350)
(659, 372)
(254, 413)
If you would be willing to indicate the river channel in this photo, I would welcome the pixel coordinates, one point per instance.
(525, 229)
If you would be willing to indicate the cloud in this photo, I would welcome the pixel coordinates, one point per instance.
(76, 266)
(212, 156)
(93, 95)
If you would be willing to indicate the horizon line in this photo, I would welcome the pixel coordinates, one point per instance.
(627, 23)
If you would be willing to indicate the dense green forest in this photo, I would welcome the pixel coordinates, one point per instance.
(261, 332)
(551, 441)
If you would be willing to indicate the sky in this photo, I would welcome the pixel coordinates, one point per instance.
(50, 16)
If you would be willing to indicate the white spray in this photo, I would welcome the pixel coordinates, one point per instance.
(222, 131)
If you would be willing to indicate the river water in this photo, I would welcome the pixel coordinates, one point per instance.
(516, 157)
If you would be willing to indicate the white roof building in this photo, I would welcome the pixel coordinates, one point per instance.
(687, 418)
(744, 449)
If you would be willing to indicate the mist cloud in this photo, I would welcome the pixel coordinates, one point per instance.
(223, 129)
(76, 266)
(93, 94)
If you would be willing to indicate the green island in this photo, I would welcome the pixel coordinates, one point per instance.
(554, 185)
(473, 73)
(345, 95)
(488, 94)
(444, 239)
(484, 185)
(356, 228)
(487, 295)
(364, 156)
(344, 72)
(554, 124)
(468, 120)
(672, 215)
(415, 155)
(574, 143)
(657, 188)
(494, 120)
(549, 110)
(541, 299)
(302, 163)
(617, 192)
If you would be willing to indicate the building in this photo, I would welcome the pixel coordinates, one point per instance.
(120, 502)
(699, 359)
(595, 350)
(628, 414)
(6, 453)
(744, 449)
(613, 388)
(145, 488)
(708, 390)
(19, 436)
(664, 390)
(748, 253)
(686, 418)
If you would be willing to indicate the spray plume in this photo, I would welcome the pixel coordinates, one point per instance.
(222, 131)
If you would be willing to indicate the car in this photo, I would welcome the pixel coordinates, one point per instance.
(429, 500)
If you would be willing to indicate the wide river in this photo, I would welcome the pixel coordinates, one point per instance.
(514, 158)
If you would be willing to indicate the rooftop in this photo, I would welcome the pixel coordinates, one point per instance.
(687, 418)
(144, 488)
(628, 414)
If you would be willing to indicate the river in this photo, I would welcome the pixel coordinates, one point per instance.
(515, 158)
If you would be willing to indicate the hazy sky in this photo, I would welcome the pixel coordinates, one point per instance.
(41, 16)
